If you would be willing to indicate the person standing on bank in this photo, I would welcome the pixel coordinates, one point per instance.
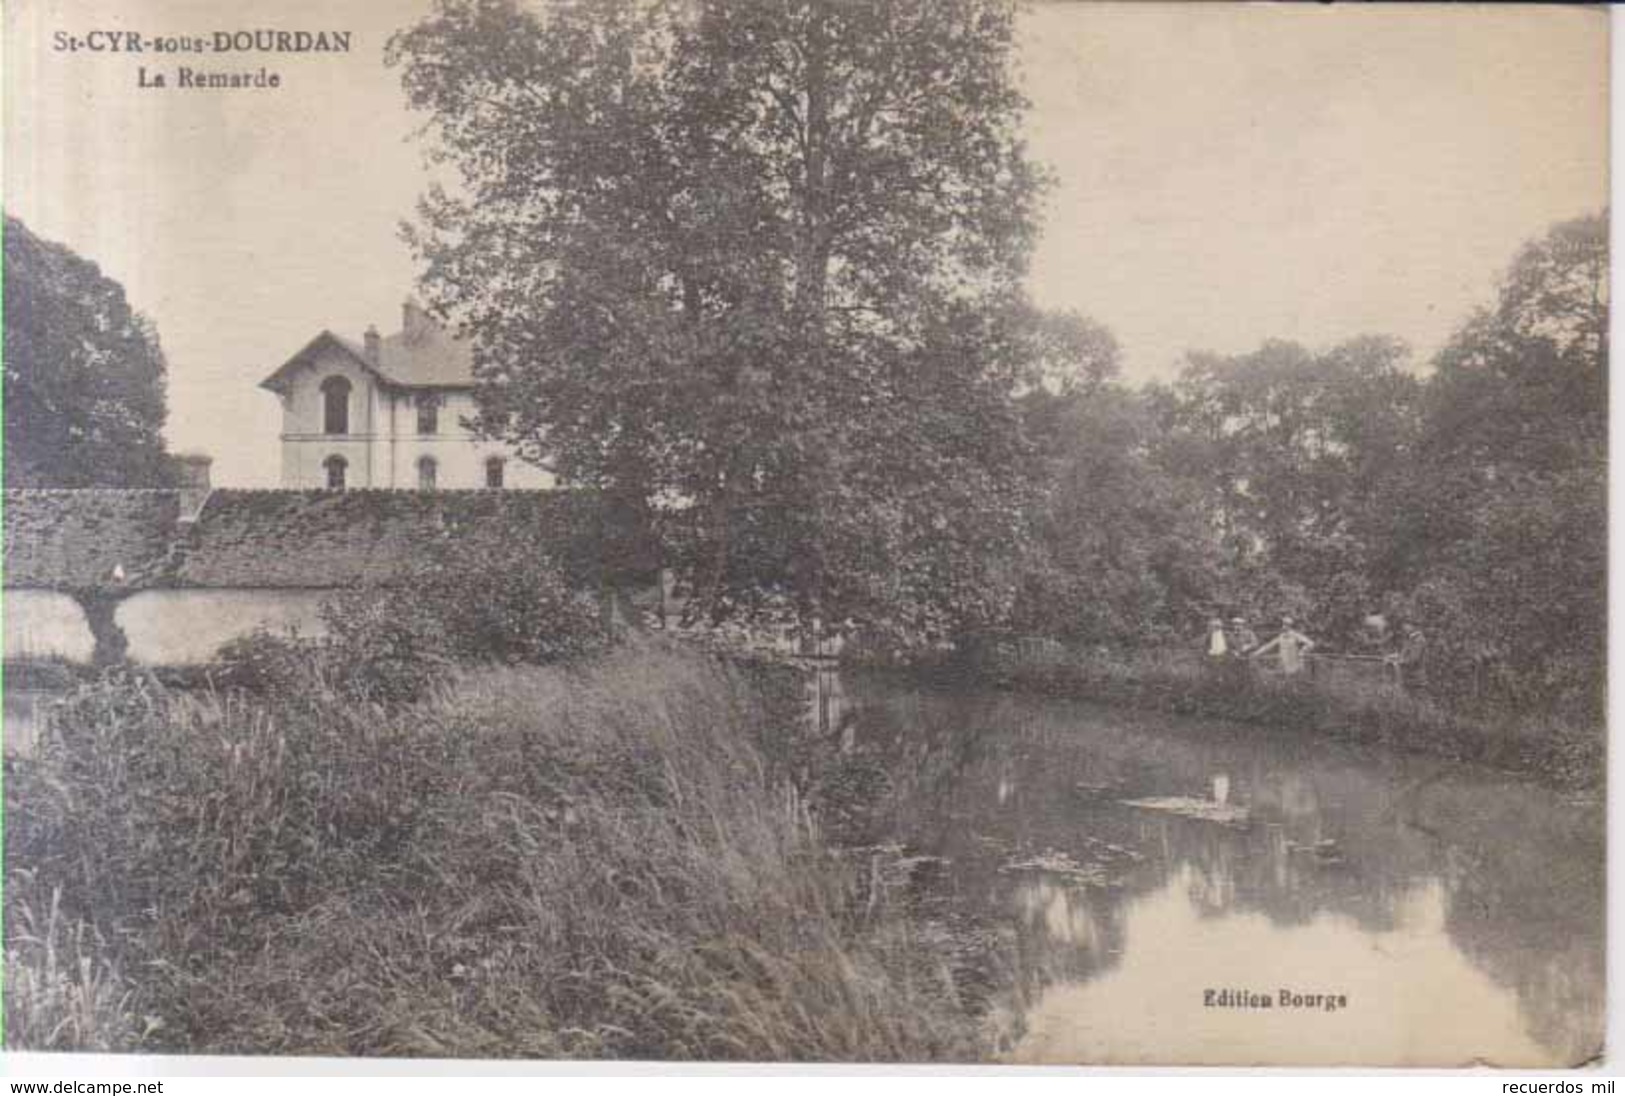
(1242, 638)
(1291, 646)
(1408, 661)
(1217, 646)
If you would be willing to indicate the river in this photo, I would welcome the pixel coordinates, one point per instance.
(1135, 866)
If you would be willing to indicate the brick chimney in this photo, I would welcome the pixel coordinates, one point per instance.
(414, 320)
(192, 471)
(370, 340)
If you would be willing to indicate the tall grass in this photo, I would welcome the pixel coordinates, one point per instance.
(590, 861)
(60, 992)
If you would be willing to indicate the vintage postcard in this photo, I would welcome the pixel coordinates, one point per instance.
(946, 531)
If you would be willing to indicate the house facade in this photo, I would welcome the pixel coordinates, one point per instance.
(388, 412)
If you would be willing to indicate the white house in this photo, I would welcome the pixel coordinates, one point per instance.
(388, 413)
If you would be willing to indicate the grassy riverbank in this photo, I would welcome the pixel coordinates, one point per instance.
(598, 861)
(1568, 753)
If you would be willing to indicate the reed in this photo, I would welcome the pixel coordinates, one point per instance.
(589, 860)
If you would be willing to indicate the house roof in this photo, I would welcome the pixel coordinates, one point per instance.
(87, 539)
(425, 355)
(74, 540)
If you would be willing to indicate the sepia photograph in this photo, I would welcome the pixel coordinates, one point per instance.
(956, 532)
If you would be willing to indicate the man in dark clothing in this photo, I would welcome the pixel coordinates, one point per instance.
(1242, 638)
(1412, 648)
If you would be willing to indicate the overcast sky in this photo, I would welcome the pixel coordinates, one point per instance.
(1225, 175)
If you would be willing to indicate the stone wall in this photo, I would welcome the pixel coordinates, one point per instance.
(104, 576)
(42, 624)
(160, 627)
(187, 627)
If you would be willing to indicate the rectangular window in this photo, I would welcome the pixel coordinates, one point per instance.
(493, 473)
(428, 414)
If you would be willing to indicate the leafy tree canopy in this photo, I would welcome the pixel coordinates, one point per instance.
(1524, 384)
(754, 268)
(84, 374)
(1297, 449)
(1507, 542)
(1123, 547)
(1471, 503)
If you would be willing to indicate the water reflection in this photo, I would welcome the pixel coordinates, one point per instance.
(1061, 913)
(1460, 912)
(1357, 1004)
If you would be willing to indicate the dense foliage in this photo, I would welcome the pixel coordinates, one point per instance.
(474, 599)
(1507, 544)
(538, 863)
(1296, 453)
(1469, 503)
(1123, 552)
(84, 374)
(752, 270)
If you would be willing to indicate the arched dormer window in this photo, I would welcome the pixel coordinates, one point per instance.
(335, 467)
(427, 470)
(335, 406)
(494, 467)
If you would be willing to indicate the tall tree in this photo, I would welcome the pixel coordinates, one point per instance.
(752, 267)
(1123, 550)
(84, 374)
(1506, 545)
(1299, 451)
(1524, 384)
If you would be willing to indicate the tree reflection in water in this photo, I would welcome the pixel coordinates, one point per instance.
(1398, 880)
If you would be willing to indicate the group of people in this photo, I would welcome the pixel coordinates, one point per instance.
(1238, 640)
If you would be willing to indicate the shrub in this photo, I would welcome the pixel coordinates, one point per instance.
(264, 662)
(383, 646)
(372, 659)
(473, 600)
(478, 599)
(469, 602)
